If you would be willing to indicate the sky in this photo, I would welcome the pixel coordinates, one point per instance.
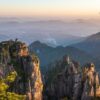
(82, 18)
(50, 8)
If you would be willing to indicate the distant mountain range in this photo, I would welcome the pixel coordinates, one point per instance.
(48, 54)
(56, 38)
(62, 39)
(91, 45)
(51, 39)
(81, 49)
(52, 32)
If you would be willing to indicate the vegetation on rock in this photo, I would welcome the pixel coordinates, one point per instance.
(4, 86)
(15, 59)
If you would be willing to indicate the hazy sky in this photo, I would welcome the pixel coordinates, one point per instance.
(61, 8)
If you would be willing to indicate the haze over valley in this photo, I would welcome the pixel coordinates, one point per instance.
(53, 32)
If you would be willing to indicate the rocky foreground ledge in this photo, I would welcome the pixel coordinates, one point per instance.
(15, 56)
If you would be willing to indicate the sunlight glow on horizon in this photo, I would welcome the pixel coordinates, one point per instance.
(80, 8)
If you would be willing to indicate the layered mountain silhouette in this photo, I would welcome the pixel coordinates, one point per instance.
(49, 55)
(90, 45)
(52, 32)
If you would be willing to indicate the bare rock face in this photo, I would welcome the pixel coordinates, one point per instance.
(14, 55)
(75, 83)
(38, 85)
(67, 83)
(91, 83)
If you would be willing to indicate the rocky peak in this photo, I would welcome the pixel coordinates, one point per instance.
(15, 55)
(74, 82)
(66, 59)
(23, 50)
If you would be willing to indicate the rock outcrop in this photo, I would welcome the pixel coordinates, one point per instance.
(74, 82)
(15, 56)
(68, 80)
(90, 83)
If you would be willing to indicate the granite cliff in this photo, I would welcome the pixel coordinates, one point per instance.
(66, 80)
(15, 56)
(69, 81)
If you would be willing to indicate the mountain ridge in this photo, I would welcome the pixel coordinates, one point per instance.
(90, 45)
(49, 54)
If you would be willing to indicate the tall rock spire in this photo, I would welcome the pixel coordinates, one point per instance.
(27, 66)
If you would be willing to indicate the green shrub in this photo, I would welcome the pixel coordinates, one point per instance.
(6, 95)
